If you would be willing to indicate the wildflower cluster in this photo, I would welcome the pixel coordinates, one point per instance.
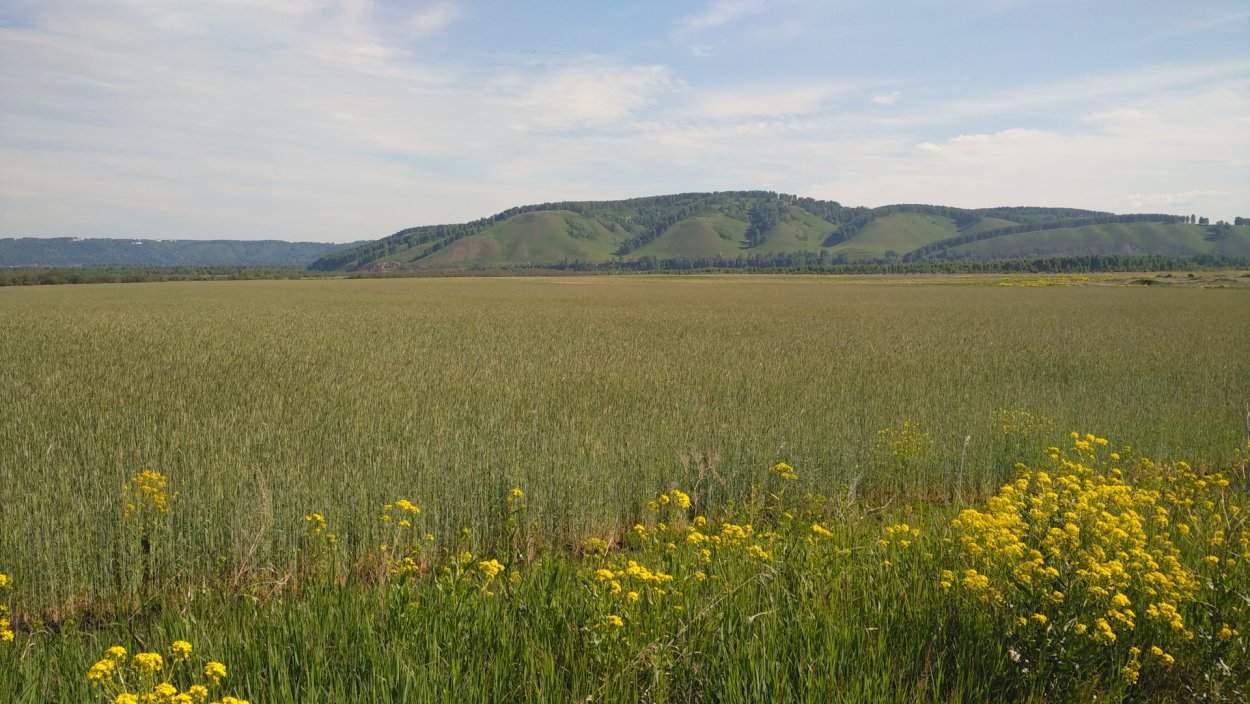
(317, 545)
(6, 629)
(315, 529)
(696, 551)
(785, 471)
(147, 496)
(152, 678)
(1076, 556)
(903, 447)
(674, 497)
(402, 551)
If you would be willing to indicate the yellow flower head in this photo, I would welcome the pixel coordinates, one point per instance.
(181, 650)
(147, 495)
(490, 568)
(785, 471)
(616, 621)
(214, 671)
(102, 670)
(147, 662)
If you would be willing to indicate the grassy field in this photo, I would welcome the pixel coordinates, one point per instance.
(894, 401)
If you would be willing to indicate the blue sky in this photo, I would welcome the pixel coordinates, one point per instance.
(339, 120)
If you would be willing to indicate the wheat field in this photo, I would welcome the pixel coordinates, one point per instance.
(537, 423)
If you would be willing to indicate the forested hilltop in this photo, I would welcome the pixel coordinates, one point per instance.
(79, 252)
(733, 229)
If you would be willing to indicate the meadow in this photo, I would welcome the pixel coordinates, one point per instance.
(625, 488)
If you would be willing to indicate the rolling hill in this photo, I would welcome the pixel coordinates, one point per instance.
(713, 229)
(77, 252)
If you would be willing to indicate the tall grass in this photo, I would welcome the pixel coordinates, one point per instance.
(264, 402)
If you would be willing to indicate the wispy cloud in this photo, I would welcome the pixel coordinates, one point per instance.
(425, 22)
(1198, 26)
(585, 92)
(888, 98)
(721, 12)
(1121, 154)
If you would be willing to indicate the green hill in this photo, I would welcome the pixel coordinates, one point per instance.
(762, 228)
(699, 236)
(898, 233)
(81, 252)
(549, 237)
(987, 224)
(1114, 238)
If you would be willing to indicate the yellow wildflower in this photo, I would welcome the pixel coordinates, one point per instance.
(214, 671)
(147, 662)
(181, 650)
(490, 568)
(102, 670)
(785, 471)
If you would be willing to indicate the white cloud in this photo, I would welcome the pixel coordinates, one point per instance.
(1200, 141)
(721, 12)
(587, 92)
(425, 22)
(888, 98)
(1090, 90)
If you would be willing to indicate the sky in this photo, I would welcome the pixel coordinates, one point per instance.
(343, 120)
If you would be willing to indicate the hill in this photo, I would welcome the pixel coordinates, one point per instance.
(76, 252)
(1167, 239)
(770, 229)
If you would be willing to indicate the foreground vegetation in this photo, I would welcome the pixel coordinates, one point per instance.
(1096, 575)
(420, 489)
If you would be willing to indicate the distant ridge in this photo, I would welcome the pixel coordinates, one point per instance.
(694, 230)
(78, 252)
